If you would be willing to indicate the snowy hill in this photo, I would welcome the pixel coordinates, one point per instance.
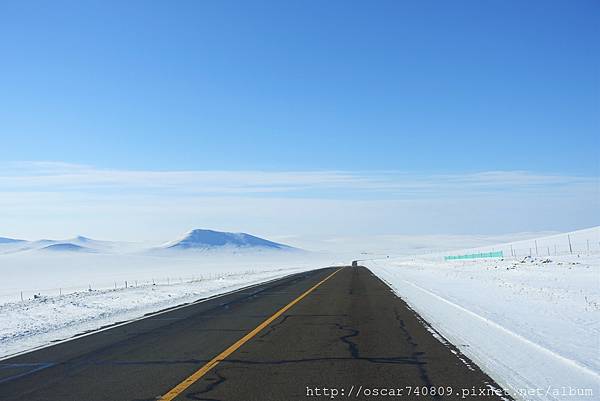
(4, 240)
(11, 245)
(79, 243)
(214, 240)
(66, 247)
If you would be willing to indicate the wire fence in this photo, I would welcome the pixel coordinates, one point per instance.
(584, 242)
(13, 295)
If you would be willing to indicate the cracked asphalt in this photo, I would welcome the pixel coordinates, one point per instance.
(350, 333)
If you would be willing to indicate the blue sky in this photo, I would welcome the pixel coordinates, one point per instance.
(414, 89)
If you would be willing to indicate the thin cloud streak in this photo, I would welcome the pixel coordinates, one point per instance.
(57, 177)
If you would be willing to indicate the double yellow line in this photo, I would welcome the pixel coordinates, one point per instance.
(194, 377)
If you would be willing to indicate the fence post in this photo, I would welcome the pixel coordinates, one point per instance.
(570, 246)
(536, 249)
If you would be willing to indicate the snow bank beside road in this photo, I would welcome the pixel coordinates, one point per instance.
(36, 322)
(531, 324)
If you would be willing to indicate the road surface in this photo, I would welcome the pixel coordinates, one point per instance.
(324, 334)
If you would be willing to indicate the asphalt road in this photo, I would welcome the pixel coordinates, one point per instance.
(350, 337)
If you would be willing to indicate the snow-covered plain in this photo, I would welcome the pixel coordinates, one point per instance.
(35, 322)
(532, 323)
(53, 273)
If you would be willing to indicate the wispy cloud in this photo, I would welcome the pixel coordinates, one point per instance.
(56, 177)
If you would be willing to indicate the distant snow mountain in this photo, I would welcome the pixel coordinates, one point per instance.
(213, 240)
(8, 245)
(4, 240)
(76, 244)
(67, 247)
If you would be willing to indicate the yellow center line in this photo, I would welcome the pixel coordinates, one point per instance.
(194, 377)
